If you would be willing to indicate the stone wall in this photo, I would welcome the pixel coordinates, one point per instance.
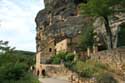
(108, 56)
(114, 58)
(57, 71)
(48, 51)
(51, 70)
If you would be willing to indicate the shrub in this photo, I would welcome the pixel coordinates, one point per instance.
(14, 69)
(69, 57)
(28, 78)
(62, 57)
(106, 78)
(84, 69)
(56, 59)
(16, 73)
(87, 69)
(87, 72)
(100, 65)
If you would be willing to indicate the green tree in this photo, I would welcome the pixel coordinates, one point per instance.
(103, 8)
(87, 39)
(14, 65)
(4, 48)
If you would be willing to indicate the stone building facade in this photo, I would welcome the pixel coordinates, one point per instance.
(62, 46)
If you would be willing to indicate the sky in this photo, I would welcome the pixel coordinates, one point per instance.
(17, 23)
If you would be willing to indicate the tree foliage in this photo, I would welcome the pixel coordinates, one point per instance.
(87, 39)
(4, 48)
(14, 66)
(103, 8)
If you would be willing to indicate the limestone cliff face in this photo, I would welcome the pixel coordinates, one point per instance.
(61, 18)
(58, 18)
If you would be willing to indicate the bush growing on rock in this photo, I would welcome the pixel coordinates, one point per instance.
(62, 57)
(106, 78)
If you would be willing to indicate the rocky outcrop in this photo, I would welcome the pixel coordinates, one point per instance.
(60, 17)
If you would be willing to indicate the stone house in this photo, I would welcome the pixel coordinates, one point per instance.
(58, 44)
(68, 44)
(62, 46)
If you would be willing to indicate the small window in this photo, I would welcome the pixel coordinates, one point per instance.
(55, 50)
(50, 49)
(54, 43)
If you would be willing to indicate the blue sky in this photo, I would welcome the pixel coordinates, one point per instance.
(17, 23)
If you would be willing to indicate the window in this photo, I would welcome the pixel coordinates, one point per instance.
(50, 49)
(55, 50)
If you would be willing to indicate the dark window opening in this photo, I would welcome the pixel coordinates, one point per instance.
(43, 72)
(50, 49)
(38, 73)
(55, 50)
(55, 43)
(72, 14)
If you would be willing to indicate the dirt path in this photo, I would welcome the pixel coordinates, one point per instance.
(52, 80)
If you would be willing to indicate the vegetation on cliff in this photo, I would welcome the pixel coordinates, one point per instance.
(87, 38)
